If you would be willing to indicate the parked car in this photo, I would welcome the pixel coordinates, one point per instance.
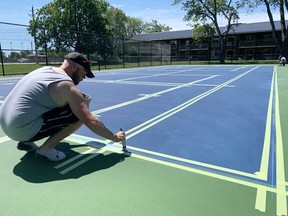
(21, 60)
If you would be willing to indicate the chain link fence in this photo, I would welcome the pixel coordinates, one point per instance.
(20, 55)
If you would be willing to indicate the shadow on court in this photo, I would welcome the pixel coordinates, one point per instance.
(34, 170)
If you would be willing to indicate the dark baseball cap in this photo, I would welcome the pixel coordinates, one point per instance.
(81, 60)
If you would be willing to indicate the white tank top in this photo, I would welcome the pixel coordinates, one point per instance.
(21, 112)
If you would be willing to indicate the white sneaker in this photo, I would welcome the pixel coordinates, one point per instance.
(50, 154)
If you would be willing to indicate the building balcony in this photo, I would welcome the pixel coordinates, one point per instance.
(251, 44)
(193, 47)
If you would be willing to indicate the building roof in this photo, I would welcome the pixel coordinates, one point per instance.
(240, 28)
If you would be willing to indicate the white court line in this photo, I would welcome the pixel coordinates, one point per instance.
(280, 165)
(4, 84)
(239, 68)
(75, 158)
(82, 161)
(260, 202)
(155, 75)
(137, 83)
(4, 139)
(147, 96)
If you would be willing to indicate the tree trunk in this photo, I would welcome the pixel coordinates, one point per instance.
(222, 50)
(283, 29)
(278, 42)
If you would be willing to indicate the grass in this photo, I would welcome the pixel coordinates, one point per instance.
(19, 69)
(24, 68)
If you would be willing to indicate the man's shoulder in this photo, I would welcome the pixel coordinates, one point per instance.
(61, 91)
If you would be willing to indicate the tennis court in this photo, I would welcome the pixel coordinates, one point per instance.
(202, 140)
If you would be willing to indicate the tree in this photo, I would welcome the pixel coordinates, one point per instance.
(204, 32)
(118, 22)
(201, 32)
(25, 53)
(203, 11)
(154, 26)
(66, 25)
(282, 5)
(135, 26)
(14, 56)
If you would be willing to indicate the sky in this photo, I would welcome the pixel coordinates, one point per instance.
(17, 11)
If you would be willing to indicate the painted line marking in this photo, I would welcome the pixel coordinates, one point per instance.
(4, 84)
(74, 158)
(239, 68)
(267, 139)
(4, 139)
(260, 202)
(147, 97)
(280, 167)
(82, 161)
(155, 75)
(210, 85)
(113, 148)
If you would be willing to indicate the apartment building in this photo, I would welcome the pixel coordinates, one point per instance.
(245, 41)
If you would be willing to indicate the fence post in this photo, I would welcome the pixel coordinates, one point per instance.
(46, 53)
(1, 56)
(123, 52)
(138, 53)
(151, 54)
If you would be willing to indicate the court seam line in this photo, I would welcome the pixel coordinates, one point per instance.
(179, 107)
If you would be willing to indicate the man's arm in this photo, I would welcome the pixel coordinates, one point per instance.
(71, 95)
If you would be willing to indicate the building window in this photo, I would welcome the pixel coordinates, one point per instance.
(231, 41)
(250, 37)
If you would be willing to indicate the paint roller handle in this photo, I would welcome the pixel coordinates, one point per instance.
(123, 142)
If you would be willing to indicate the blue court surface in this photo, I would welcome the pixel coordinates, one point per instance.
(220, 122)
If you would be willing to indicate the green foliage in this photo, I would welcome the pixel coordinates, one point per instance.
(203, 11)
(154, 26)
(117, 22)
(14, 56)
(201, 32)
(134, 26)
(208, 12)
(61, 23)
(282, 6)
(83, 26)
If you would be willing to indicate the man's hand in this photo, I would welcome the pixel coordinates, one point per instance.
(119, 136)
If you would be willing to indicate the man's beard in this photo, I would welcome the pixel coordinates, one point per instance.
(75, 78)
